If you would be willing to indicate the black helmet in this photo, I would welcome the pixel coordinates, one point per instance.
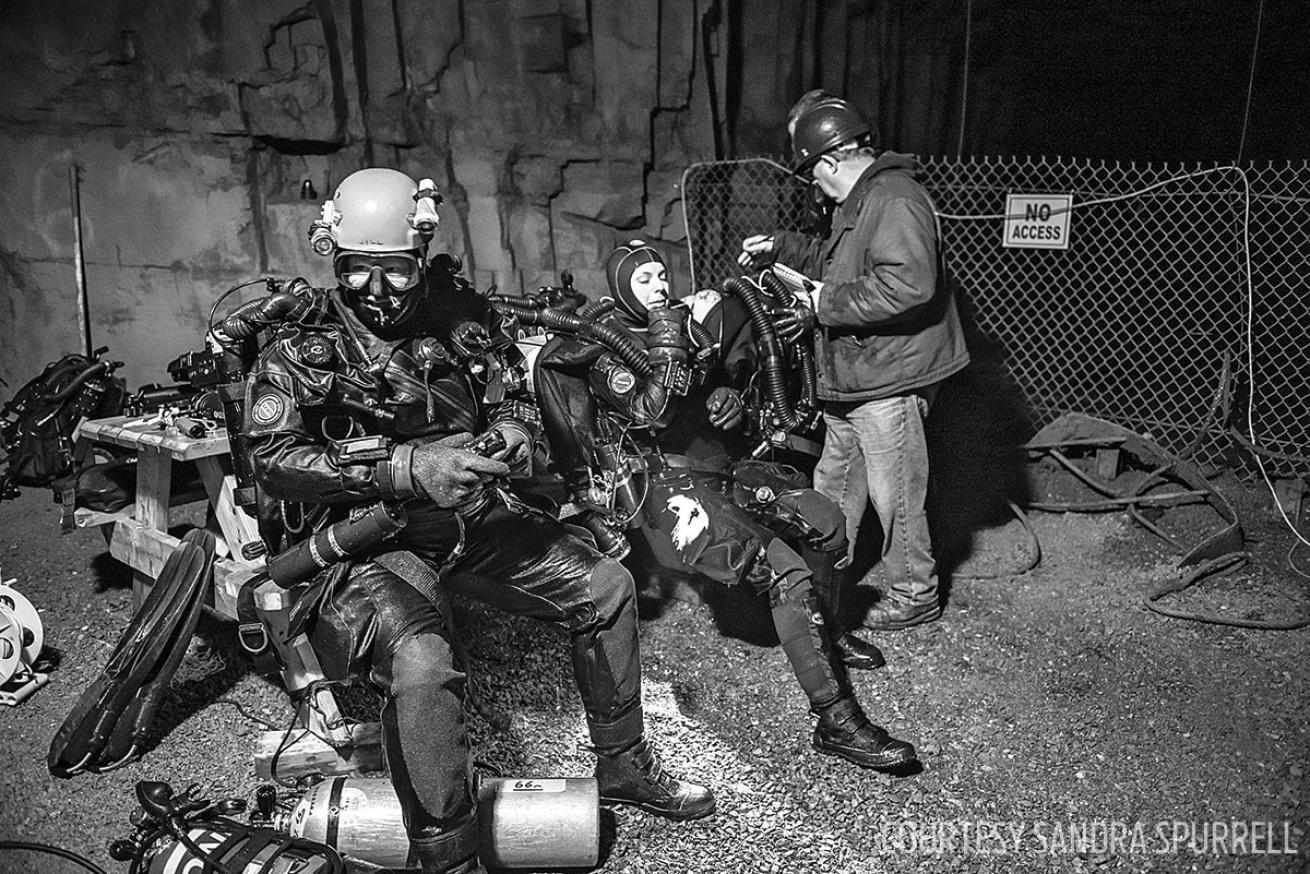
(824, 126)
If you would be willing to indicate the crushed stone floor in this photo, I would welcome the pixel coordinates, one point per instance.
(1062, 725)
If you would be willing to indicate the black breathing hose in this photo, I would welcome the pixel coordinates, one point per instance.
(597, 308)
(94, 369)
(809, 379)
(556, 320)
(700, 335)
(777, 290)
(250, 318)
(772, 360)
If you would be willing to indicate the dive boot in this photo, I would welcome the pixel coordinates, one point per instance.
(636, 777)
(843, 730)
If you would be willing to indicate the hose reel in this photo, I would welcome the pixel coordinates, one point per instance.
(21, 637)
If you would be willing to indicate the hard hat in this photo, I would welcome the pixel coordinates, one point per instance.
(377, 210)
(823, 127)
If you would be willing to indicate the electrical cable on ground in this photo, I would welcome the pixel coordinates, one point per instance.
(1251, 442)
(1033, 550)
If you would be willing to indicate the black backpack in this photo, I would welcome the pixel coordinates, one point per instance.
(36, 424)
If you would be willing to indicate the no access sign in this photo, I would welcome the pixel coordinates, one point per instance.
(1037, 221)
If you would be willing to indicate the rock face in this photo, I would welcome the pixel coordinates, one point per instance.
(206, 134)
(554, 128)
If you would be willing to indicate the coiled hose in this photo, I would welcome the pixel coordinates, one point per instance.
(772, 361)
(804, 352)
(569, 323)
(94, 369)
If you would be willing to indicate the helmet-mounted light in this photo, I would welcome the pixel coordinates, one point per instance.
(322, 235)
(426, 200)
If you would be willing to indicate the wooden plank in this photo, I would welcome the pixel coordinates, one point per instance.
(236, 524)
(303, 753)
(141, 547)
(84, 518)
(1107, 463)
(146, 549)
(154, 474)
(230, 574)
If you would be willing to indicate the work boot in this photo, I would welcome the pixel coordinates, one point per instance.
(853, 652)
(896, 615)
(828, 585)
(843, 730)
(636, 776)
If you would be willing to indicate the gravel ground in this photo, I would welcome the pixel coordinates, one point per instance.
(1041, 704)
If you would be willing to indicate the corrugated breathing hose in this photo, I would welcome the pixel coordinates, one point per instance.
(568, 323)
(773, 364)
(804, 352)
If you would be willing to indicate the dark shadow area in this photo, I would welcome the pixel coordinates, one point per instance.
(740, 613)
(976, 432)
(48, 659)
(212, 667)
(110, 573)
(510, 662)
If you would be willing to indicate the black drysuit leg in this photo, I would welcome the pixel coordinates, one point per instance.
(377, 625)
(800, 626)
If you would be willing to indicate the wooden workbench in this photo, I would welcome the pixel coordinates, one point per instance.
(138, 536)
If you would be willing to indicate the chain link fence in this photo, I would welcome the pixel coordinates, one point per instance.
(1179, 309)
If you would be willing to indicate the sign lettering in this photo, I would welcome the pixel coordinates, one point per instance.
(1037, 221)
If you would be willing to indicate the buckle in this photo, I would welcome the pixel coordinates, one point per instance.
(677, 378)
(253, 637)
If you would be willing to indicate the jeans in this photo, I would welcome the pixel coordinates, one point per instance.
(875, 451)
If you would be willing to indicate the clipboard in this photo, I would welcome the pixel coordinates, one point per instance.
(797, 283)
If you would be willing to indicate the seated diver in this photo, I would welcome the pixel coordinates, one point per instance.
(595, 399)
(369, 393)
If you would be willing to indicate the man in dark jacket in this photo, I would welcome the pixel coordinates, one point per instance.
(369, 393)
(888, 334)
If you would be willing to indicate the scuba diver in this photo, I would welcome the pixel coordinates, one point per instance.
(369, 393)
(604, 408)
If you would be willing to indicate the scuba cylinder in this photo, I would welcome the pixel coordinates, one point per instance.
(181, 833)
(523, 823)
